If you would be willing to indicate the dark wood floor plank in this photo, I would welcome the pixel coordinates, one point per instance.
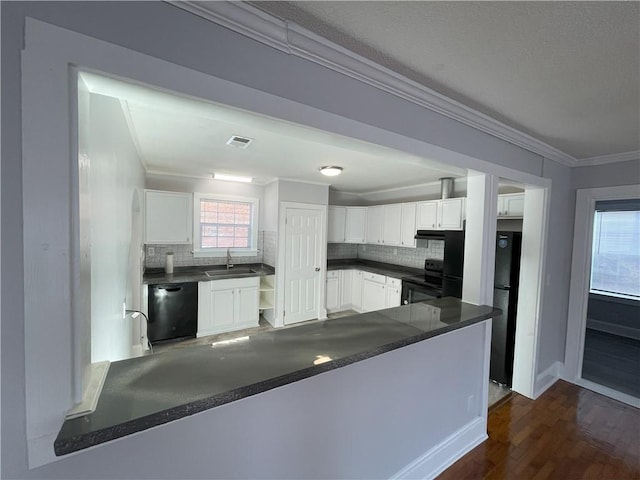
(568, 433)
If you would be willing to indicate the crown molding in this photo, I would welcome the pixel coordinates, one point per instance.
(293, 39)
(604, 159)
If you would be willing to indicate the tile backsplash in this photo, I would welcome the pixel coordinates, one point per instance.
(183, 254)
(267, 253)
(407, 257)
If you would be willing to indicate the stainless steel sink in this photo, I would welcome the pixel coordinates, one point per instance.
(230, 272)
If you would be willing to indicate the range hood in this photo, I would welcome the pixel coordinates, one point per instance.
(429, 235)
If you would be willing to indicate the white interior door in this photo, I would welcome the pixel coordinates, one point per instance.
(303, 234)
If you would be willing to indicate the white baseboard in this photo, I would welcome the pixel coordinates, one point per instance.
(442, 456)
(545, 379)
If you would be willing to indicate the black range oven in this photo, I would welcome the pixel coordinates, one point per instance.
(420, 288)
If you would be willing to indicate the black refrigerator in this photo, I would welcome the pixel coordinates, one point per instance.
(453, 263)
(505, 297)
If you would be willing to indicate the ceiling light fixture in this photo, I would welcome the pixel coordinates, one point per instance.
(232, 178)
(331, 171)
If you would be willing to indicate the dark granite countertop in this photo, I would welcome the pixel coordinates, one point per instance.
(197, 274)
(387, 269)
(144, 392)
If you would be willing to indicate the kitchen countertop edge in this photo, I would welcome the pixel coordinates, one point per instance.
(83, 441)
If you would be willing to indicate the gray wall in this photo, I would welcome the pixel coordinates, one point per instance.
(164, 31)
(608, 175)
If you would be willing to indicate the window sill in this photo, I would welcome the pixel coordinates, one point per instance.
(612, 297)
(223, 253)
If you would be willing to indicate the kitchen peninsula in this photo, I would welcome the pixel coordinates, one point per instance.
(431, 358)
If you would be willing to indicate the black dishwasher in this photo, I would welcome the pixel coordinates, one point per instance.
(173, 311)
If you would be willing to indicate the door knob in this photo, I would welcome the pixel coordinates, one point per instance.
(317, 269)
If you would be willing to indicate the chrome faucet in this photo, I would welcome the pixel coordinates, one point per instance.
(229, 264)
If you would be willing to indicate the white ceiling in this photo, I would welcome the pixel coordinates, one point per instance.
(565, 73)
(184, 136)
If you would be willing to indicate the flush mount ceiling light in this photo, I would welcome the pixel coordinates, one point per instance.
(331, 171)
(239, 142)
(232, 178)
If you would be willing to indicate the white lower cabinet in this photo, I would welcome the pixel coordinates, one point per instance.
(361, 291)
(345, 289)
(333, 291)
(227, 305)
(393, 289)
(356, 290)
(373, 295)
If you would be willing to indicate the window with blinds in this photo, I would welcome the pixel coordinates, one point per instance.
(615, 263)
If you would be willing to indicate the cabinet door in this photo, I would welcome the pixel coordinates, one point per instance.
(247, 306)
(392, 224)
(205, 313)
(408, 227)
(336, 224)
(356, 224)
(514, 205)
(333, 292)
(451, 214)
(373, 296)
(356, 290)
(427, 216)
(374, 224)
(223, 308)
(393, 296)
(168, 217)
(345, 289)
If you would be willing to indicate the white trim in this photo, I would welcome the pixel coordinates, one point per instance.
(530, 299)
(293, 39)
(546, 379)
(92, 391)
(613, 158)
(581, 272)
(436, 460)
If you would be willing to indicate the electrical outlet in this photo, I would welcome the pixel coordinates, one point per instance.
(151, 251)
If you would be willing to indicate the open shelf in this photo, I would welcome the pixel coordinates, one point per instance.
(267, 292)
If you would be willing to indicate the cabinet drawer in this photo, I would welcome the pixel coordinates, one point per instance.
(394, 282)
(374, 277)
(333, 273)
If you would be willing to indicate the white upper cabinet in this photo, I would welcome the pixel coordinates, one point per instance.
(168, 217)
(451, 213)
(408, 227)
(447, 214)
(375, 222)
(511, 205)
(336, 224)
(427, 215)
(356, 225)
(392, 224)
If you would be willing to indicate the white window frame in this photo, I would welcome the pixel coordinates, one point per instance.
(200, 252)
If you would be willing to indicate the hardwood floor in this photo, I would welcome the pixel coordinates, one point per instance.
(568, 433)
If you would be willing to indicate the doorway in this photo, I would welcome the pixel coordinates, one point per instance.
(603, 335)
(611, 352)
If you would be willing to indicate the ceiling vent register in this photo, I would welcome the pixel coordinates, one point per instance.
(239, 142)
